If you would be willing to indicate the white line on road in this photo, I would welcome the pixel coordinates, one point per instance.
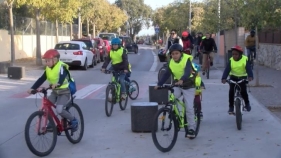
(155, 62)
(80, 94)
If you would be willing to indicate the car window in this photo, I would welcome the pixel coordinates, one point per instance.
(84, 46)
(107, 36)
(87, 42)
(97, 41)
(67, 46)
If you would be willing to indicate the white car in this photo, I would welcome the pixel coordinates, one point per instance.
(75, 53)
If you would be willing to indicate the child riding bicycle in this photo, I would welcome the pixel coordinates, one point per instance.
(56, 73)
(238, 68)
(181, 67)
(119, 59)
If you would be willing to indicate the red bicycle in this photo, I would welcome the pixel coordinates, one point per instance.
(46, 119)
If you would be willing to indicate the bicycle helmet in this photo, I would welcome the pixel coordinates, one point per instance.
(184, 34)
(51, 53)
(196, 66)
(237, 48)
(203, 37)
(116, 41)
(175, 47)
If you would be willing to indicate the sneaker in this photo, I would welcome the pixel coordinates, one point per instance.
(211, 63)
(74, 125)
(231, 110)
(248, 107)
(190, 133)
(132, 89)
(201, 116)
(124, 96)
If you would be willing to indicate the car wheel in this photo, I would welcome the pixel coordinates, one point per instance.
(85, 67)
(93, 62)
(136, 51)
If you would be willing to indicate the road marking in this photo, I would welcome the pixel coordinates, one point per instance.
(80, 94)
(155, 62)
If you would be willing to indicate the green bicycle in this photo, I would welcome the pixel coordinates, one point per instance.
(176, 118)
(113, 93)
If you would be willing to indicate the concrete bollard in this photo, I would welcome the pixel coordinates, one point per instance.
(142, 116)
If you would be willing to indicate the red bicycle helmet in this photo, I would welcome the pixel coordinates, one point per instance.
(237, 48)
(51, 53)
(184, 34)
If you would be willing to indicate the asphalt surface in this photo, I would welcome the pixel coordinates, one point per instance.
(111, 137)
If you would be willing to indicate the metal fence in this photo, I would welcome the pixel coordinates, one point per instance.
(27, 26)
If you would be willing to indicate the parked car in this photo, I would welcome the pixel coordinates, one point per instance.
(92, 45)
(129, 44)
(108, 36)
(102, 49)
(75, 53)
(107, 46)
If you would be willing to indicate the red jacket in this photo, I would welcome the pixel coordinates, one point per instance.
(186, 45)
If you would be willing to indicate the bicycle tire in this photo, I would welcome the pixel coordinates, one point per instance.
(130, 94)
(198, 119)
(173, 122)
(27, 137)
(238, 113)
(68, 132)
(108, 110)
(123, 106)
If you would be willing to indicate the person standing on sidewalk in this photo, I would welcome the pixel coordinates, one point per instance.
(250, 43)
(238, 68)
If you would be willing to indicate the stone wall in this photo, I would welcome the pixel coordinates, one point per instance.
(269, 55)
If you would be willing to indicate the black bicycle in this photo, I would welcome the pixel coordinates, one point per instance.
(238, 101)
(252, 57)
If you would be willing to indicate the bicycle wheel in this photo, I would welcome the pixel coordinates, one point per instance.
(208, 69)
(109, 99)
(123, 103)
(171, 122)
(133, 90)
(238, 114)
(197, 111)
(74, 137)
(41, 131)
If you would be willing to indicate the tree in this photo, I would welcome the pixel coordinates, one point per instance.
(36, 6)
(138, 14)
(62, 11)
(9, 4)
(114, 18)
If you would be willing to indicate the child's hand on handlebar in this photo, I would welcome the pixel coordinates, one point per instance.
(103, 69)
(156, 87)
(223, 81)
(29, 91)
(250, 79)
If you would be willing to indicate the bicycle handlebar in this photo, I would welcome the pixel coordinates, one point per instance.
(229, 81)
(43, 90)
(169, 87)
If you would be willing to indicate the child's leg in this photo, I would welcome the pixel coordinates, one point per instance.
(61, 101)
(127, 77)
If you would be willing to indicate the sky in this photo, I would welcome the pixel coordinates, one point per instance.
(153, 4)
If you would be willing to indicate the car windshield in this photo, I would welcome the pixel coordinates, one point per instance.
(87, 42)
(67, 46)
(108, 37)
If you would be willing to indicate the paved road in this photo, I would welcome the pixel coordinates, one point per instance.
(112, 137)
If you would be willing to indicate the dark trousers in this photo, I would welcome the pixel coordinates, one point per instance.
(243, 91)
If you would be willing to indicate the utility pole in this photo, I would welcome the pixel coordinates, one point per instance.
(219, 23)
(236, 31)
(189, 22)
(79, 23)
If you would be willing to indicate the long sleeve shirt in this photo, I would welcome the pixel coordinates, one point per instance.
(168, 73)
(124, 65)
(63, 74)
(228, 69)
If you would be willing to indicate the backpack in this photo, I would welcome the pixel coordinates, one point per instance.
(71, 83)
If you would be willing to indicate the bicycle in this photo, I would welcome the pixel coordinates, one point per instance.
(251, 57)
(207, 65)
(46, 114)
(114, 89)
(238, 101)
(176, 118)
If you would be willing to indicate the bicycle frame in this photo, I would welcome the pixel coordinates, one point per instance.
(237, 92)
(115, 82)
(47, 109)
(174, 101)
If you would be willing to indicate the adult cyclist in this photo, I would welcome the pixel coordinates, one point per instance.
(208, 45)
(250, 44)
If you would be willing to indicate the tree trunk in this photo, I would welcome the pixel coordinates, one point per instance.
(94, 30)
(38, 46)
(88, 27)
(12, 35)
(256, 63)
(57, 31)
(71, 32)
